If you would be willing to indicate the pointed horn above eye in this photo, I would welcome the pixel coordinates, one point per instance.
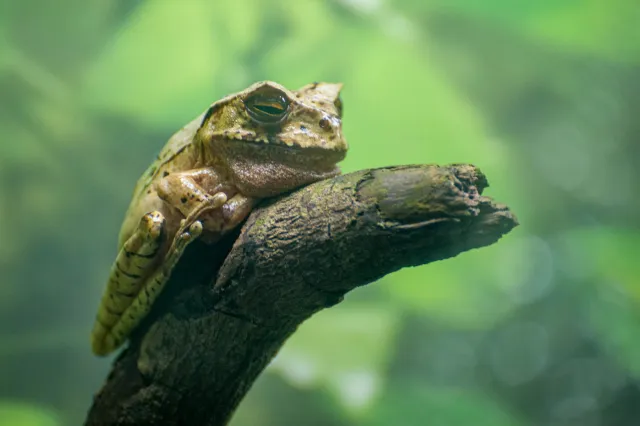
(330, 90)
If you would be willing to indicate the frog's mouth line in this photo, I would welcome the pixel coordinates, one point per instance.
(250, 139)
(273, 143)
(293, 156)
(282, 147)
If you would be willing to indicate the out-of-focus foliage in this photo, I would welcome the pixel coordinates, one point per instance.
(539, 329)
(18, 413)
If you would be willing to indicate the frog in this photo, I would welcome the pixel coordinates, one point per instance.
(255, 144)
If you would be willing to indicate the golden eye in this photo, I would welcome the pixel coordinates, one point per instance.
(268, 107)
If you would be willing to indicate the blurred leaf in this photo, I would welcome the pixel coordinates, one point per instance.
(616, 323)
(161, 64)
(606, 254)
(14, 413)
(272, 401)
(475, 289)
(512, 12)
(61, 35)
(608, 258)
(605, 28)
(419, 405)
(345, 349)
(302, 44)
(406, 101)
(236, 24)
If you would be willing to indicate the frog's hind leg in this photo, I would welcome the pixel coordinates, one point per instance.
(135, 261)
(141, 304)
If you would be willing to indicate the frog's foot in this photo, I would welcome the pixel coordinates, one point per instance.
(209, 204)
(133, 264)
(141, 304)
(236, 209)
(192, 193)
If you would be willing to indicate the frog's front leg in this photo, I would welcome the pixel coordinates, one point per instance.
(194, 193)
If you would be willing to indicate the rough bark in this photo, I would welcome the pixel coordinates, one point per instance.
(228, 309)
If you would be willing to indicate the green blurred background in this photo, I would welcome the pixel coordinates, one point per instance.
(539, 329)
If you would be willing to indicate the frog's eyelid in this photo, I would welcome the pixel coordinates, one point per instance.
(269, 98)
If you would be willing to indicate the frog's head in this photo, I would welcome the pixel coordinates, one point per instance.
(271, 139)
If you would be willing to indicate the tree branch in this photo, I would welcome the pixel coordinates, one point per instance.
(196, 356)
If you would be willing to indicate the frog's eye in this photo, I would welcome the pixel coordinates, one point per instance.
(267, 108)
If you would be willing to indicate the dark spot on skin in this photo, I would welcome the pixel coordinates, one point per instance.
(324, 124)
(314, 85)
(332, 137)
(149, 191)
(303, 128)
(165, 174)
(183, 200)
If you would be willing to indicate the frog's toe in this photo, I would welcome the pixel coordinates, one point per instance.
(152, 224)
(218, 200)
(195, 229)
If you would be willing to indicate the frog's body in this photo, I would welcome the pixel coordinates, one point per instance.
(260, 142)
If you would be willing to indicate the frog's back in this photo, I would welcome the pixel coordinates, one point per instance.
(174, 156)
(176, 145)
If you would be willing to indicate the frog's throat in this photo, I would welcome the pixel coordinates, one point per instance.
(259, 178)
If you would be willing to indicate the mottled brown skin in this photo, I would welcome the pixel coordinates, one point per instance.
(258, 143)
